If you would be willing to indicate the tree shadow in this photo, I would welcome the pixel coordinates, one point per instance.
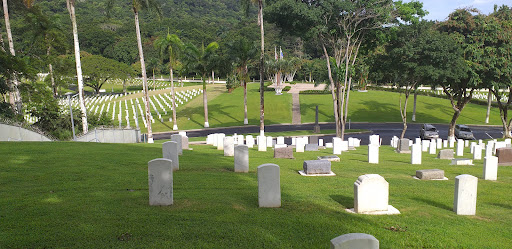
(433, 203)
(345, 201)
(507, 206)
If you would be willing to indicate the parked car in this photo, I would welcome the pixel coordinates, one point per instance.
(463, 132)
(428, 131)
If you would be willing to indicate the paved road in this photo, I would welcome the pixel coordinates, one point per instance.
(385, 130)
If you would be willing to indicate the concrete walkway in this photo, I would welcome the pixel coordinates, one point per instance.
(295, 109)
(295, 91)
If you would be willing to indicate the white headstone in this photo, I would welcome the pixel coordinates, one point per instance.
(416, 154)
(371, 193)
(466, 143)
(299, 145)
(451, 141)
(280, 140)
(491, 168)
(477, 152)
(178, 139)
(328, 145)
(336, 145)
(373, 153)
(294, 140)
(249, 141)
(424, 145)
(241, 158)
(439, 143)
(344, 145)
(240, 139)
(320, 142)
(170, 151)
(445, 143)
(464, 202)
(460, 147)
(262, 143)
(489, 148)
(432, 148)
(160, 182)
(269, 186)
(269, 142)
(209, 139)
(220, 141)
(375, 140)
(417, 140)
(229, 146)
(355, 241)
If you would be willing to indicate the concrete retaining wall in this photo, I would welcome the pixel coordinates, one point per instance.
(15, 133)
(111, 136)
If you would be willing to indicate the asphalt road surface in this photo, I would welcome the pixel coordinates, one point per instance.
(385, 130)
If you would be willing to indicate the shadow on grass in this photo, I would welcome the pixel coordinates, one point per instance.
(507, 206)
(433, 203)
(345, 201)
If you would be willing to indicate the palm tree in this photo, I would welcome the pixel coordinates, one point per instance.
(14, 96)
(71, 8)
(245, 5)
(172, 46)
(243, 52)
(200, 59)
(138, 5)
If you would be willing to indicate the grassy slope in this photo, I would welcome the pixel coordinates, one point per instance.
(66, 194)
(377, 106)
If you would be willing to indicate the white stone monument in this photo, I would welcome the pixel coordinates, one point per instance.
(464, 202)
(160, 182)
(336, 145)
(170, 151)
(241, 158)
(477, 152)
(460, 147)
(249, 141)
(355, 241)
(269, 186)
(371, 195)
(491, 168)
(373, 154)
(416, 154)
(229, 146)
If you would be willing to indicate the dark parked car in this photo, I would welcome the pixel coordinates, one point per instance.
(463, 132)
(428, 131)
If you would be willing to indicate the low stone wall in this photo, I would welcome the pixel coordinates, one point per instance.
(102, 135)
(16, 133)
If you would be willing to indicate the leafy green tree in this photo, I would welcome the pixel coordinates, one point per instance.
(497, 37)
(419, 55)
(171, 47)
(200, 61)
(9, 65)
(99, 70)
(339, 27)
(459, 87)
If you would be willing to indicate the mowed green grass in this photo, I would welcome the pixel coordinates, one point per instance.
(91, 195)
(380, 106)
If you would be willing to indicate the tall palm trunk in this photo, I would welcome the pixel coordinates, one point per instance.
(144, 77)
(71, 8)
(205, 103)
(175, 126)
(14, 95)
(246, 121)
(262, 64)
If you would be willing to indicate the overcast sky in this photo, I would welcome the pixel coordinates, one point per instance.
(440, 9)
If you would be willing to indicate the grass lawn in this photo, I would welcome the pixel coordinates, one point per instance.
(380, 106)
(91, 195)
